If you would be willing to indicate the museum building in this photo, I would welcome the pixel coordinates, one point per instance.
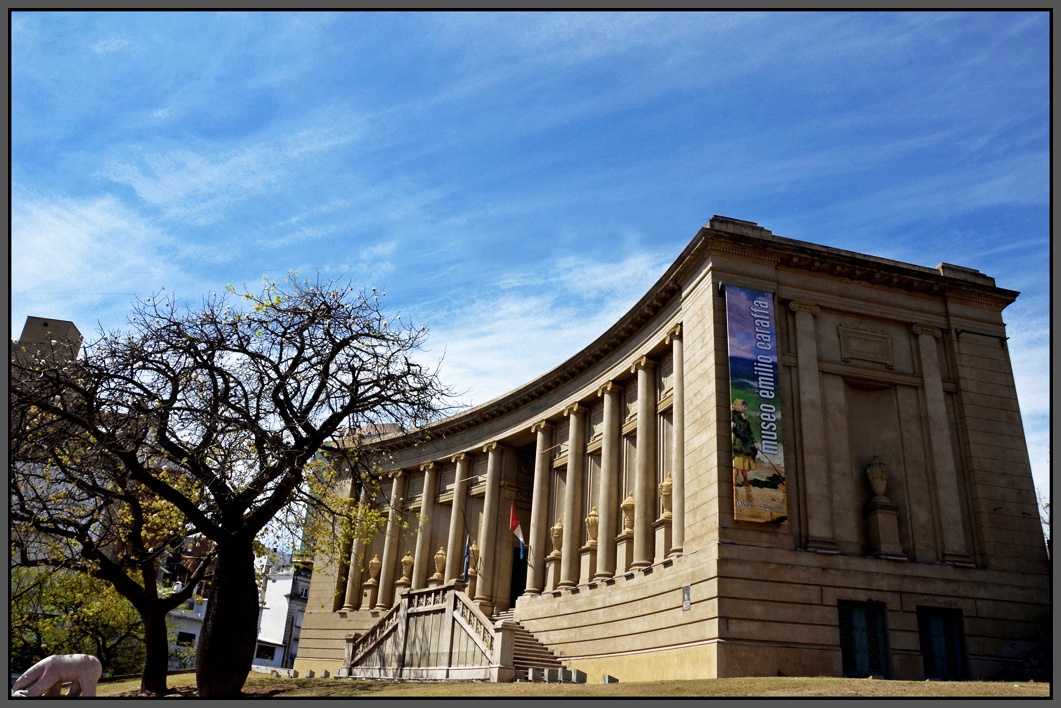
(785, 460)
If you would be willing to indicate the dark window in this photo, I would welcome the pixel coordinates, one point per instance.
(265, 653)
(185, 639)
(942, 643)
(863, 639)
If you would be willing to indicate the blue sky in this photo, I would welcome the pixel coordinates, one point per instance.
(517, 181)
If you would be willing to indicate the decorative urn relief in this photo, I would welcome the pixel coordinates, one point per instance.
(592, 524)
(877, 474)
(628, 513)
(557, 533)
(407, 567)
(665, 496)
(440, 562)
(373, 569)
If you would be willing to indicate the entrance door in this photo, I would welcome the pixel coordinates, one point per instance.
(519, 576)
(863, 639)
(942, 643)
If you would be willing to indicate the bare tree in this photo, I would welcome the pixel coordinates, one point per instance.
(218, 410)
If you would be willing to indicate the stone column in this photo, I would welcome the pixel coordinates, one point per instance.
(488, 530)
(455, 545)
(944, 469)
(645, 474)
(678, 445)
(390, 542)
(815, 479)
(576, 471)
(539, 521)
(352, 601)
(423, 561)
(611, 452)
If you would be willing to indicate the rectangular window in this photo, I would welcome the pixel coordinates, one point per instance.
(664, 440)
(629, 464)
(591, 490)
(863, 639)
(185, 639)
(559, 493)
(265, 653)
(942, 638)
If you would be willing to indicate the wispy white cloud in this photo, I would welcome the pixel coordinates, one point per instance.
(194, 187)
(110, 45)
(512, 333)
(74, 256)
(198, 183)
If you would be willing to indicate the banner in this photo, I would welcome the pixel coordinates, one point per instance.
(755, 408)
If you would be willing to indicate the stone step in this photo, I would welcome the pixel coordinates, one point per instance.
(529, 655)
(533, 660)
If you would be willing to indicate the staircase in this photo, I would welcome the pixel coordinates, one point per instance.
(529, 653)
(438, 633)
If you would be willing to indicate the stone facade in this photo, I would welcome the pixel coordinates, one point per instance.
(909, 545)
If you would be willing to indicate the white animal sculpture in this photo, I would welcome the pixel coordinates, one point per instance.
(47, 676)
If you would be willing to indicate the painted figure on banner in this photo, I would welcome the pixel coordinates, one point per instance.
(745, 449)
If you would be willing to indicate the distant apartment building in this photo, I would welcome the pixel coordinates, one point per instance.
(283, 608)
(285, 587)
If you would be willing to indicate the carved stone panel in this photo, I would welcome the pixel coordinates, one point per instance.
(865, 343)
(630, 401)
(596, 420)
(447, 478)
(666, 376)
(561, 437)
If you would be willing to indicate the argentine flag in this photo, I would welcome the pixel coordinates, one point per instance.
(514, 527)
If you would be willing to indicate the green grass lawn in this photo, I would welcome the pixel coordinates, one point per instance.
(263, 686)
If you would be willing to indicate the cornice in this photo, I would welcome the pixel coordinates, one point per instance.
(837, 263)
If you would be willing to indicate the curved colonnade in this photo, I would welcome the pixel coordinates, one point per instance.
(887, 505)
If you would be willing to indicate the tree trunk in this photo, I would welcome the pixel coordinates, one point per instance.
(156, 661)
(230, 627)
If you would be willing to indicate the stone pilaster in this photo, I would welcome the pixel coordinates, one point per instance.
(611, 452)
(944, 468)
(539, 522)
(819, 509)
(645, 474)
